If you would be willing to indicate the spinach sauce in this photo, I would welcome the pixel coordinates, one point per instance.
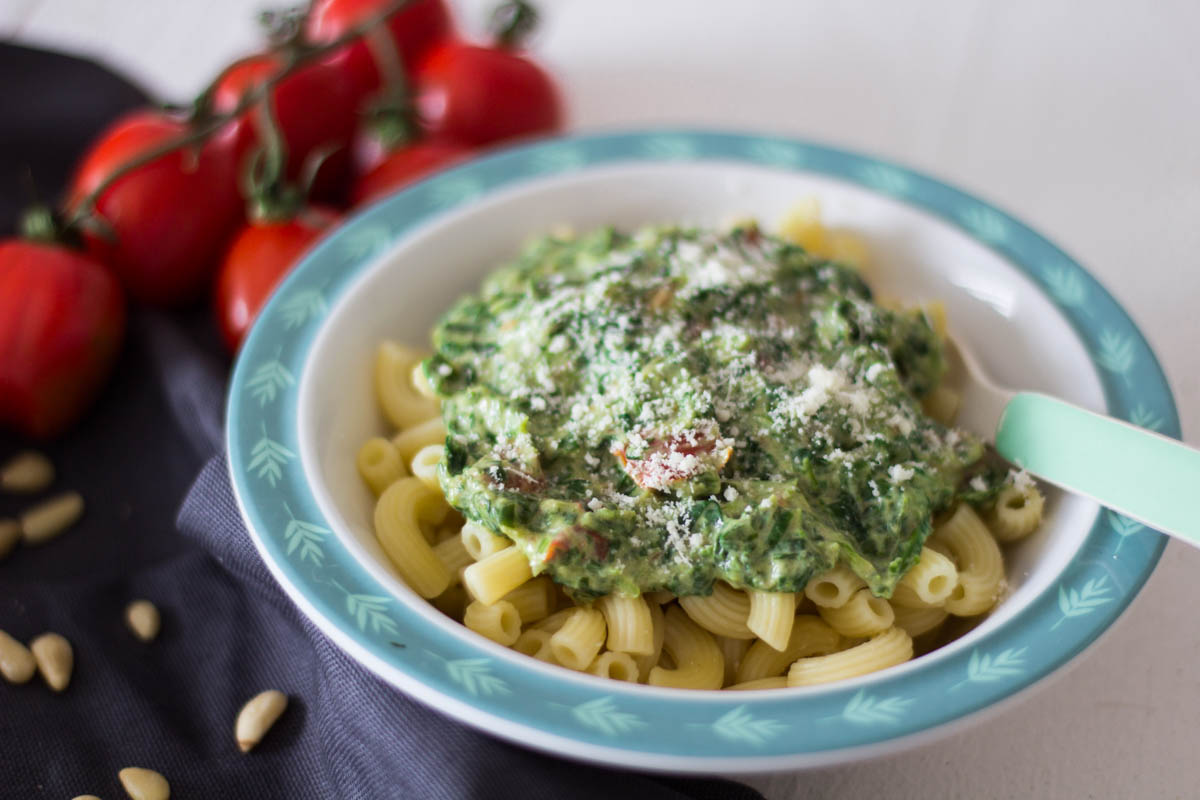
(672, 407)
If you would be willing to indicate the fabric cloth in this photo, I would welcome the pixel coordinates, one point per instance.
(228, 631)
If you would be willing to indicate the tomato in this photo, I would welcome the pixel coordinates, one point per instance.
(413, 30)
(62, 317)
(483, 94)
(314, 107)
(169, 218)
(259, 256)
(406, 165)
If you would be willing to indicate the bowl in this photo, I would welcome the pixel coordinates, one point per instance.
(301, 403)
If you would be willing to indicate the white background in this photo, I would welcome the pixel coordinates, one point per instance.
(1082, 118)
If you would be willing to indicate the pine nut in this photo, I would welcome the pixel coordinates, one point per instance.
(143, 619)
(46, 520)
(144, 784)
(85, 797)
(10, 534)
(54, 659)
(257, 717)
(16, 662)
(29, 471)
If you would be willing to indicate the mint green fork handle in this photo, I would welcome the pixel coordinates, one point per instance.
(1141, 474)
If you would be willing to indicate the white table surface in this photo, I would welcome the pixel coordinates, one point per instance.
(1082, 118)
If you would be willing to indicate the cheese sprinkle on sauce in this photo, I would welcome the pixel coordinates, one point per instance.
(672, 407)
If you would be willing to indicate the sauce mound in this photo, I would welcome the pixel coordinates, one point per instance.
(672, 407)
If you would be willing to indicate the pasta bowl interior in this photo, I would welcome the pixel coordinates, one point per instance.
(302, 402)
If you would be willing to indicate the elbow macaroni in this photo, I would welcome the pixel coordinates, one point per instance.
(732, 639)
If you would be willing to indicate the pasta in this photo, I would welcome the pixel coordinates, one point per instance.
(379, 464)
(397, 514)
(497, 575)
(918, 621)
(658, 627)
(424, 464)
(831, 628)
(403, 405)
(863, 614)
(480, 542)
(698, 660)
(928, 583)
(630, 629)
(1017, 513)
(576, 644)
(411, 440)
(615, 665)
(771, 615)
(498, 622)
(980, 565)
(724, 612)
(535, 643)
(809, 636)
(888, 649)
(533, 600)
(834, 588)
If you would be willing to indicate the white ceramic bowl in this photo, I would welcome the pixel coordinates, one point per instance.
(302, 402)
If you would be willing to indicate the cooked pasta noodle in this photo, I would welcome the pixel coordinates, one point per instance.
(424, 465)
(1017, 513)
(809, 636)
(732, 651)
(658, 627)
(980, 565)
(398, 512)
(536, 644)
(918, 621)
(497, 575)
(533, 600)
(724, 612)
(410, 440)
(617, 666)
(401, 402)
(862, 615)
(577, 642)
(771, 615)
(498, 622)
(630, 629)
(928, 583)
(698, 660)
(480, 542)
(833, 588)
(379, 464)
(888, 649)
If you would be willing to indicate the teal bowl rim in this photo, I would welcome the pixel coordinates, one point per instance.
(630, 725)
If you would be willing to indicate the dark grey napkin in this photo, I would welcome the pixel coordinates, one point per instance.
(228, 631)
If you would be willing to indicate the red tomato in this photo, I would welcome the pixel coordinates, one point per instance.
(62, 316)
(482, 94)
(406, 165)
(314, 107)
(259, 257)
(170, 217)
(413, 30)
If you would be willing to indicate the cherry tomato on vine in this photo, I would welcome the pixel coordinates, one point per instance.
(480, 95)
(259, 257)
(62, 317)
(315, 110)
(169, 219)
(413, 30)
(406, 165)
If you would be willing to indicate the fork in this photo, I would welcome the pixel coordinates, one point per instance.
(1141, 474)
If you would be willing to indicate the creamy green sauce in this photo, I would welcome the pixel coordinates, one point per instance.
(673, 407)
